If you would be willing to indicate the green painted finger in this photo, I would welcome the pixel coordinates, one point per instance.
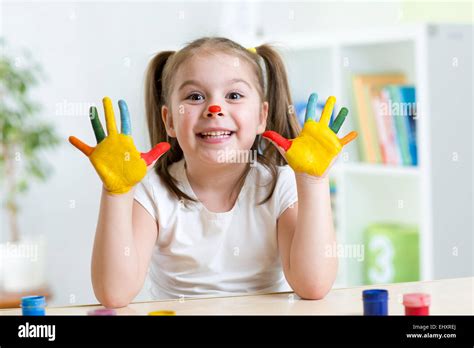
(341, 117)
(311, 107)
(96, 125)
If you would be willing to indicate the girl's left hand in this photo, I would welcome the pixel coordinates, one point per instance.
(317, 146)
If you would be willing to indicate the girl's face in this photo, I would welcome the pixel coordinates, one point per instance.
(213, 134)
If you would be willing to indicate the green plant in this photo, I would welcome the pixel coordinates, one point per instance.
(23, 135)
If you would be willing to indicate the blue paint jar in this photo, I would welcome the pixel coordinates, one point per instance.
(33, 305)
(375, 302)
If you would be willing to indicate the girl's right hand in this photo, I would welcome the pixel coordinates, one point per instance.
(115, 158)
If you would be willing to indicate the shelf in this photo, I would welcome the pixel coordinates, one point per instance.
(377, 169)
(357, 37)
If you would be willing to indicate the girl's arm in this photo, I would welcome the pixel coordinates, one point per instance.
(305, 234)
(125, 232)
(124, 240)
(305, 231)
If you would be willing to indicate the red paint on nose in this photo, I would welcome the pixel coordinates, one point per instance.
(214, 108)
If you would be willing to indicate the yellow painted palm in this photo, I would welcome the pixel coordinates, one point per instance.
(115, 158)
(317, 146)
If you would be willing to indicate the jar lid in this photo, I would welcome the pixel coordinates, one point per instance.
(33, 301)
(375, 295)
(416, 300)
(102, 311)
(162, 313)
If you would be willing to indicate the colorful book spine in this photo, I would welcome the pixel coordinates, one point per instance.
(368, 144)
(381, 115)
(393, 144)
(401, 123)
(408, 104)
(369, 126)
(385, 109)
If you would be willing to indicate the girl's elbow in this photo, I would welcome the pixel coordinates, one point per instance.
(113, 301)
(112, 297)
(313, 293)
(313, 289)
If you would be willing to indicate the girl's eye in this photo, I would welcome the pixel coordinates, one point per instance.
(195, 97)
(234, 95)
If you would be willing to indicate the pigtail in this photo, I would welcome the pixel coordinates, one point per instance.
(155, 98)
(281, 117)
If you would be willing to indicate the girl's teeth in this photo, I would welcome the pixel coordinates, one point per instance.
(216, 136)
(216, 133)
(219, 134)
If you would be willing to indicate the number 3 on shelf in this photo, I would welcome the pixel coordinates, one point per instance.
(382, 270)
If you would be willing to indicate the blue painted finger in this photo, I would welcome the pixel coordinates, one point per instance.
(311, 107)
(126, 127)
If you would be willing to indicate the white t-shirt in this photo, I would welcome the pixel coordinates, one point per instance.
(202, 253)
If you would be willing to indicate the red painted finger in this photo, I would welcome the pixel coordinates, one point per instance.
(154, 153)
(281, 141)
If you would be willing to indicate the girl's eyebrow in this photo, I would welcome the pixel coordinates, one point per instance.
(237, 80)
(194, 82)
(188, 82)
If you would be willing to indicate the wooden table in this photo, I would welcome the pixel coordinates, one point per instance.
(13, 299)
(449, 297)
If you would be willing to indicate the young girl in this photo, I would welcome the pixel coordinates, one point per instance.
(220, 213)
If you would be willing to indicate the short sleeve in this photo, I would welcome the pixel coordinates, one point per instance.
(285, 189)
(144, 195)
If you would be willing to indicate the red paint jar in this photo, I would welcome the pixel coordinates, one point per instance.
(417, 304)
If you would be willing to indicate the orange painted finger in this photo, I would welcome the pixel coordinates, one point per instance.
(348, 138)
(84, 148)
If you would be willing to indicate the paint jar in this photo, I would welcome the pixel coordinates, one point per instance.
(162, 313)
(375, 302)
(102, 311)
(33, 305)
(417, 304)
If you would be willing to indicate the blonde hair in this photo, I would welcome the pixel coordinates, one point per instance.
(272, 87)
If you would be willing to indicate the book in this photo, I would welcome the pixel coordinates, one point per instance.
(401, 121)
(362, 83)
(381, 117)
(408, 105)
(393, 143)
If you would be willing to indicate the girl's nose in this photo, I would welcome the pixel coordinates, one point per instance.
(214, 109)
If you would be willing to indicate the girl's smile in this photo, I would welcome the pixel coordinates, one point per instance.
(215, 135)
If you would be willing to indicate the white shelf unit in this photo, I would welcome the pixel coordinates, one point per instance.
(368, 193)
